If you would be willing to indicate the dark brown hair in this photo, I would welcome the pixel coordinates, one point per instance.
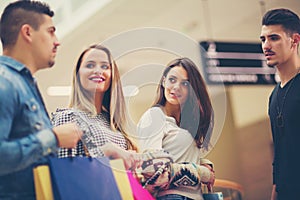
(197, 111)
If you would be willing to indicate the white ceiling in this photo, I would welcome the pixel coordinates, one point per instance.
(225, 20)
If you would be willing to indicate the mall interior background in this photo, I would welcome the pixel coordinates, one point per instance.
(243, 152)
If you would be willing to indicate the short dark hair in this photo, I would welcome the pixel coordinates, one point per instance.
(285, 17)
(19, 13)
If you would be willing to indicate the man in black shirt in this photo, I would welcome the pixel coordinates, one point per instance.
(280, 40)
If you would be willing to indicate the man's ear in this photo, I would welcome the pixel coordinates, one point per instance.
(26, 32)
(296, 38)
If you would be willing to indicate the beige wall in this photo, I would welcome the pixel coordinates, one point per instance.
(244, 151)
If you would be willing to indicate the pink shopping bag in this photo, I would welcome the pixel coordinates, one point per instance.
(139, 193)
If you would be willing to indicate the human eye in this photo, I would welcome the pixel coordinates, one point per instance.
(90, 65)
(274, 37)
(105, 67)
(52, 30)
(262, 39)
(185, 83)
(172, 80)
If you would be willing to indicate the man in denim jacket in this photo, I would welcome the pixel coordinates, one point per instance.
(26, 135)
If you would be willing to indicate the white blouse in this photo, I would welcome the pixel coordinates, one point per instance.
(158, 131)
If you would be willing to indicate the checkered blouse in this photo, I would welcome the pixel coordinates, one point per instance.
(96, 132)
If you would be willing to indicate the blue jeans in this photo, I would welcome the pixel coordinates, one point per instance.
(173, 197)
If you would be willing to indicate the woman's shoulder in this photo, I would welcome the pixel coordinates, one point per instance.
(154, 112)
(152, 116)
(62, 111)
(62, 115)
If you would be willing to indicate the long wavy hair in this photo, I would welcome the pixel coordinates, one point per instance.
(113, 101)
(197, 112)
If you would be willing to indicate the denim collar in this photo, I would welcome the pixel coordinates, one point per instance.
(12, 63)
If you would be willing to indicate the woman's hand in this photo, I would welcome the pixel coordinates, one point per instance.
(131, 159)
(67, 135)
(211, 181)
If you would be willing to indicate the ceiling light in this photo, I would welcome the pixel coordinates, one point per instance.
(129, 90)
(59, 90)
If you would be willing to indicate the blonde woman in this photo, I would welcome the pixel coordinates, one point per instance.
(97, 105)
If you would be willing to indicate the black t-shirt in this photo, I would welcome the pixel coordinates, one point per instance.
(286, 135)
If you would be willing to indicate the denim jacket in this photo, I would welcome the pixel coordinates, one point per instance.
(26, 136)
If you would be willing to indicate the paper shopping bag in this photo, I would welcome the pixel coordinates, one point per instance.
(83, 178)
(42, 183)
(121, 178)
(139, 193)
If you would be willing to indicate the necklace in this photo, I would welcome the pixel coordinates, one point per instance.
(279, 117)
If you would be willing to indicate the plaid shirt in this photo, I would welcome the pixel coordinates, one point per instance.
(96, 132)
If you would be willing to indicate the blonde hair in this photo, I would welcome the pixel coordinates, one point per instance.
(113, 101)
